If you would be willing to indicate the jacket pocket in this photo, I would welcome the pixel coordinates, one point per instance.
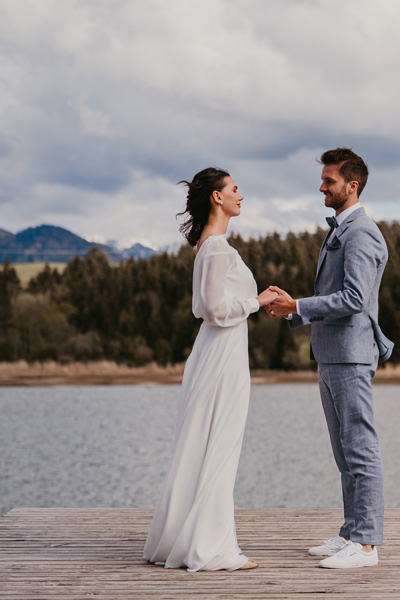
(342, 321)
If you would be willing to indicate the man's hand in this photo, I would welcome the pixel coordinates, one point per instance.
(282, 306)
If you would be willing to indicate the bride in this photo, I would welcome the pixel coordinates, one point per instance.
(193, 524)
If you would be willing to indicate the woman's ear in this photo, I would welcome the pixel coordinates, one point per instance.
(216, 198)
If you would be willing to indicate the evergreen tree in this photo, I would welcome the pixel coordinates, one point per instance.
(141, 310)
(9, 287)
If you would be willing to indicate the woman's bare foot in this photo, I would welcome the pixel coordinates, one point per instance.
(251, 564)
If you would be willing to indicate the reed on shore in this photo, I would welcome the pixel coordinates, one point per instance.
(104, 372)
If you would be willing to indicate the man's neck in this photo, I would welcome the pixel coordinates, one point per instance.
(352, 200)
(340, 217)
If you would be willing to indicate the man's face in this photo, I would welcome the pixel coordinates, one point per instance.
(334, 187)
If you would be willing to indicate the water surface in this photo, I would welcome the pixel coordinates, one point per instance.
(110, 446)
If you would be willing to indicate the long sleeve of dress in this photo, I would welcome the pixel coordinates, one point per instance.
(216, 298)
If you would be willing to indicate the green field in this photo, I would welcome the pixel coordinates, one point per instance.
(26, 271)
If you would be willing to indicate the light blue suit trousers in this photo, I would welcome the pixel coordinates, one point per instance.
(346, 395)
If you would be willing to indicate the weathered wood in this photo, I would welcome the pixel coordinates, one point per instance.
(49, 554)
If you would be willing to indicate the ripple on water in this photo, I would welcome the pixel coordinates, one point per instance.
(110, 446)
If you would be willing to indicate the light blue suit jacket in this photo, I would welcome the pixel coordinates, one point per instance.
(344, 309)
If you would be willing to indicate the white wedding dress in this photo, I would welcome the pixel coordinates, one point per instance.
(193, 524)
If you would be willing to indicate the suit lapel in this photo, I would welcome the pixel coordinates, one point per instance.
(338, 232)
(321, 259)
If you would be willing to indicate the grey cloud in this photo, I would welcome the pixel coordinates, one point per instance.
(99, 97)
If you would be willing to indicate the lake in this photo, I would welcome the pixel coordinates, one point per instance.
(110, 446)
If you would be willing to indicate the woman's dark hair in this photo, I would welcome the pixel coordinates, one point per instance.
(198, 203)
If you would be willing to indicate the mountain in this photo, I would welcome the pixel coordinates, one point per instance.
(5, 237)
(138, 251)
(47, 243)
(172, 248)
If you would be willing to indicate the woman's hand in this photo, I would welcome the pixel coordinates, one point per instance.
(283, 306)
(266, 297)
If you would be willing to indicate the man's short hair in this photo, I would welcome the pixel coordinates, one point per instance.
(351, 166)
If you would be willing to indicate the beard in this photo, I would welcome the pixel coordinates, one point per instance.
(337, 200)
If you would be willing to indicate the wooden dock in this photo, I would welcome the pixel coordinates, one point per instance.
(76, 554)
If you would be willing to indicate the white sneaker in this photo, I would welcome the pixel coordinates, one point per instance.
(329, 547)
(351, 556)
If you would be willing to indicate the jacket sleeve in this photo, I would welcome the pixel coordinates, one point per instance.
(363, 254)
(297, 321)
(217, 308)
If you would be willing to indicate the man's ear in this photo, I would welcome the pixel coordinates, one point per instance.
(353, 186)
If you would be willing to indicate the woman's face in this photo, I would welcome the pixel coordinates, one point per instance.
(231, 199)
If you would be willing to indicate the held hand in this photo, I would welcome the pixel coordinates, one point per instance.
(283, 305)
(266, 297)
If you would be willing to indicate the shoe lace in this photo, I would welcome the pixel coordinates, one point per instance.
(335, 541)
(345, 551)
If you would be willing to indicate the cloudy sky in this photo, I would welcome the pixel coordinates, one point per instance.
(106, 104)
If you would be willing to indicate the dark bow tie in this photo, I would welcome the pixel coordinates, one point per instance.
(332, 222)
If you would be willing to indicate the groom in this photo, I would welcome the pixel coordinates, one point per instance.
(347, 342)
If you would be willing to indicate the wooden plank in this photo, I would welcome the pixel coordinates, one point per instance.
(79, 553)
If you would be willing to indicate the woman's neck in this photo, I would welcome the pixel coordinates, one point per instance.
(214, 226)
(217, 224)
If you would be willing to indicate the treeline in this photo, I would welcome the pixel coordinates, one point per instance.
(140, 310)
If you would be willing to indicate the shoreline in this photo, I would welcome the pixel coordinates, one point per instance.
(50, 373)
